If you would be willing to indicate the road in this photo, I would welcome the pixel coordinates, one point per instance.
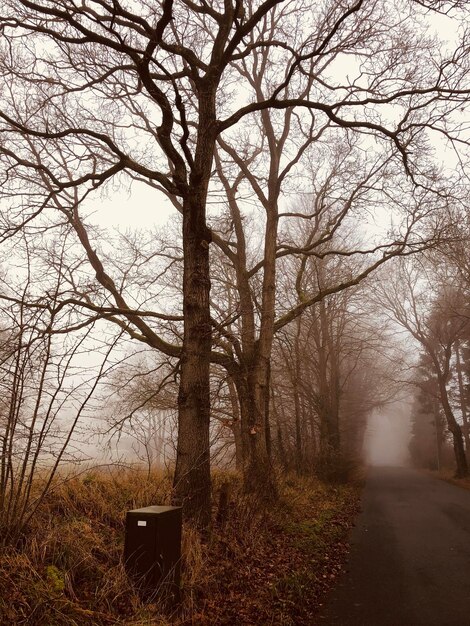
(410, 556)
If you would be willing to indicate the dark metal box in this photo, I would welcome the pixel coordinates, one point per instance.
(152, 550)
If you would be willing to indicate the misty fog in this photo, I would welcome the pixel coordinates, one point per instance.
(388, 435)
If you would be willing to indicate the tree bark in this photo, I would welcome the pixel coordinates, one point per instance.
(236, 427)
(259, 475)
(192, 480)
(299, 460)
(257, 467)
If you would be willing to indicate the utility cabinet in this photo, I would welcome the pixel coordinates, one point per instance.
(152, 549)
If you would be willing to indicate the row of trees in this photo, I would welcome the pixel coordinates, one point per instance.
(329, 369)
(272, 127)
(429, 299)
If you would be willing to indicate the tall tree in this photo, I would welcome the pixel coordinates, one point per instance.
(436, 316)
(427, 421)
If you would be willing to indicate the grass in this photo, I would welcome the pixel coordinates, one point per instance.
(260, 566)
(448, 475)
(277, 568)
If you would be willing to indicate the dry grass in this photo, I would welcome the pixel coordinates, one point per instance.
(279, 567)
(68, 569)
(72, 552)
(449, 476)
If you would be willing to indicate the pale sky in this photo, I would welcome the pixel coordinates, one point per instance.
(142, 207)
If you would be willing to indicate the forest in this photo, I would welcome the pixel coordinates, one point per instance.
(231, 231)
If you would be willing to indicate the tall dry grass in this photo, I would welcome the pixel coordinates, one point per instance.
(67, 568)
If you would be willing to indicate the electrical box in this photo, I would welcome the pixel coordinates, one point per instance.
(152, 549)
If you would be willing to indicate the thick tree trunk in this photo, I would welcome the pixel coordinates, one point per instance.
(259, 475)
(254, 376)
(257, 468)
(192, 482)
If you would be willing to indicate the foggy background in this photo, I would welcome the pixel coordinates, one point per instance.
(388, 435)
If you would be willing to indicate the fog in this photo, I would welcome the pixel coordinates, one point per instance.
(388, 435)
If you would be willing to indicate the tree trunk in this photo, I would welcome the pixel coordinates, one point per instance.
(313, 443)
(439, 433)
(332, 389)
(236, 427)
(257, 468)
(267, 403)
(329, 442)
(299, 461)
(459, 451)
(463, 405)
(192, 482)
(281, 455)
(454, 427)
(259, 475)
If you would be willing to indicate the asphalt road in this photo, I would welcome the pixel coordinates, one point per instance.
(410, 557)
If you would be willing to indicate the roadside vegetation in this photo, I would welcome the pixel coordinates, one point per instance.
(259, 565)
(448, 474)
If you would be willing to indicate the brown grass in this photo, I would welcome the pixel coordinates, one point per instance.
(449, 476)
(260, 566)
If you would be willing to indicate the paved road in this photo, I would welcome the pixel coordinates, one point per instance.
(410, 557)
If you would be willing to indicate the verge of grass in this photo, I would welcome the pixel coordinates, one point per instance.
(277, 569)
(448, 475)
(260, 566)
(68, 568)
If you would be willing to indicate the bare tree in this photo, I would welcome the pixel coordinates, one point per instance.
(46, 386)
(257, 305)
(435, 315)
(329, 372)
